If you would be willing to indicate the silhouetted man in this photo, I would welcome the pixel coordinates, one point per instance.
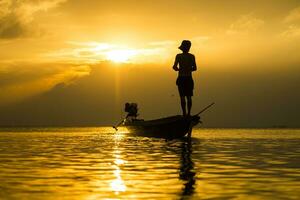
(185, 83)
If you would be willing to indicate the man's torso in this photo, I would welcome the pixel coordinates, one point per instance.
(186, 63)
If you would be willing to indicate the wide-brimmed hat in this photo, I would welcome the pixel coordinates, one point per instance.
(185, 44)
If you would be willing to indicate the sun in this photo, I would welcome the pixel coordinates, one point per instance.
(121, 55)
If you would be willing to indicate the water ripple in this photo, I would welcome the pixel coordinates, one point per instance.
(96, 163)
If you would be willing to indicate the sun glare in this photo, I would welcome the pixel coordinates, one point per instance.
(120, 55)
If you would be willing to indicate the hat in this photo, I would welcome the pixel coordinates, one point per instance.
(185, 44)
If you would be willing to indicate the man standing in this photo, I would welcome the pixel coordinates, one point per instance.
(184, 82)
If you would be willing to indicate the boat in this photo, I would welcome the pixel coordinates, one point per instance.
(169, 127)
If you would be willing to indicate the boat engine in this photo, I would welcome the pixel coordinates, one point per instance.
(132, 110)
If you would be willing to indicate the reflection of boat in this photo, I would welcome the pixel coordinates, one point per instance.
(169, 127)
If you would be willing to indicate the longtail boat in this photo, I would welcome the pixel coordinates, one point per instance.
(168, 127)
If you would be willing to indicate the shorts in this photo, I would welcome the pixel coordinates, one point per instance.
(185, 85)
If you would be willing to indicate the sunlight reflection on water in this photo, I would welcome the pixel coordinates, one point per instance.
(97, 163)
(117, 185)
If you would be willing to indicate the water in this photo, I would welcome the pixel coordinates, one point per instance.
(96, 163)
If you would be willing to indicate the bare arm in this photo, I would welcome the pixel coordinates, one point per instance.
(194, 64)
(175, 66)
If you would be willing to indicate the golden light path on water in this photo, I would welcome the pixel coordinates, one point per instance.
(117, 185)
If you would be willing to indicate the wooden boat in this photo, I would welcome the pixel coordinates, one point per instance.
(169, 127)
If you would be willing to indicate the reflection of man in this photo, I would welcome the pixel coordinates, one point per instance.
(187, 171)
(185, 83)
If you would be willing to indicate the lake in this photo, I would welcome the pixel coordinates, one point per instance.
(97, 163)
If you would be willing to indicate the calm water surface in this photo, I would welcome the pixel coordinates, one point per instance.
(96, 163)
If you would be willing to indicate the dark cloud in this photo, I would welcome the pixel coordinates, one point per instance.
(16, 16)
(11, 27)
(243, 99)
(22, 80)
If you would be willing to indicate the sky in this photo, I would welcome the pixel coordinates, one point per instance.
(76, 62)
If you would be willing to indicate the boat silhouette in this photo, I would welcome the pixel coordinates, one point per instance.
(168, 127)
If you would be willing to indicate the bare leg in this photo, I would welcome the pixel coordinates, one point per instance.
(189, 105)
(183, 105)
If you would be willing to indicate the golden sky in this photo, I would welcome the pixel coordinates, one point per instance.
(45, 43)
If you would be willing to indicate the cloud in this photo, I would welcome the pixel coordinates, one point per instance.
(16, 16)
(91, 52)
(98, 98)
(293, 16)
(245, 25)
(19, 81)
(292, 32)
(94, 52)
(11, 27)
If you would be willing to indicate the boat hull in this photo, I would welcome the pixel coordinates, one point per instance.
(169, 127)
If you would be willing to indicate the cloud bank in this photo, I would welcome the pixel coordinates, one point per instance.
(20, 81)
(16, 16)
